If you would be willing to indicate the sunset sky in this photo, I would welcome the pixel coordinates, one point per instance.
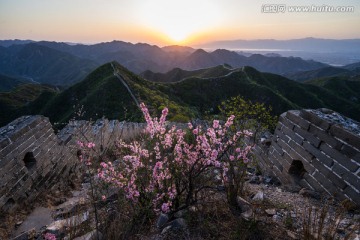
(165, 22)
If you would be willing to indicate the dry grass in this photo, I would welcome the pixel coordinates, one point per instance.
(325, 222)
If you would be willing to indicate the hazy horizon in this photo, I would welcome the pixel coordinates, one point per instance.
(186, 22)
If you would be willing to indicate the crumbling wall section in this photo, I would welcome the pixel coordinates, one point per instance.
(316, 149)
(32, 158)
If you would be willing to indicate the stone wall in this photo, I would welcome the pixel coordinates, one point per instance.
(316, 149)
(33, 157)
(308, 149)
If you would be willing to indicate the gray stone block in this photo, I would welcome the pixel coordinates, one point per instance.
(308, 136)
(295, 117)
(345, 135)
(341, 158)
(350, 152)
(318, 154)
(292, 135)
(354, 195)
(325, 137)
(316, 120)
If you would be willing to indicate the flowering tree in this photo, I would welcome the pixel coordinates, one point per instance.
(170, 169)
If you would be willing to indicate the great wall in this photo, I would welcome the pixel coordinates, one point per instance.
(33, 157)
(316, 149)
(308, 148)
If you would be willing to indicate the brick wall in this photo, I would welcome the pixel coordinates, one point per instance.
(306, 150)
(314, 152)
(33, 157)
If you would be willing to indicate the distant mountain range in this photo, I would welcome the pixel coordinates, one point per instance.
(189, 94)
(349, 71)
(65, 64)
(8, 83)
(41, 64)
(304, 44)
(330, 51)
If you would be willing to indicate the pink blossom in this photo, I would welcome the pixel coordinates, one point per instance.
(165, 207)
(91, 145)
(216, 124)
(81, 144)
(157, 169)
(49, 236)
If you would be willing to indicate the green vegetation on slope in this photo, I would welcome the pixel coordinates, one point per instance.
(24, 99)
(178, 74)
(8, 83)
(102, 94)
(344, 87)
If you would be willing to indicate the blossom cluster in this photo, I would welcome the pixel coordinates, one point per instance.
(168, 167)
(49, 236)
(84, 153)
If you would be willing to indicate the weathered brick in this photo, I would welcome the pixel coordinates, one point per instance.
(25, 147)
(10, 166)
(278, 154)
(4, 162)
(318, 154)
(277, 148)
(329, 174)
(284, 146)
(329, 186)
(283, 177)
(41, 132)
(262, 165)
(345, 135)
(313, 183)
(287, 123)
(339, 170)
(350, 152)
(303, 183)
(294, 155)
(295, 117)
(37, 120)
(292, 135)
(19, 132)
(8, 149)
(339, 182)
(325, 137)
(4, 142)
(276, 160)
(352, 179)
(315, 119)
(282, 136)
(341, 158)
(351, 193)
(307, 136)
(305, 155)
(286, 160)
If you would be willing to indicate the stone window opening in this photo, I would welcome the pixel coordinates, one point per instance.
(29, 160)
(297, 169)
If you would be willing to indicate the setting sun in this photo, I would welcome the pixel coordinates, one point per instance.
(180, 21)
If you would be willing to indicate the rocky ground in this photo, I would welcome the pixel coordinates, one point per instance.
(274, 213)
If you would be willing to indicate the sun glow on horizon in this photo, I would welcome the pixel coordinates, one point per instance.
(180, 21)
